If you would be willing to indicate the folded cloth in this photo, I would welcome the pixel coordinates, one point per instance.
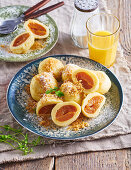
(116, 136)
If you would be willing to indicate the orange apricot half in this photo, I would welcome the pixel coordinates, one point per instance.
(46, 104)
(63, 114)
(92, 104)
(38, 29)
(87, 78)
(22, 43)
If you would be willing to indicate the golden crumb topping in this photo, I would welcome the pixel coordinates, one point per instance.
(37, 45)
(67, 72)
(80, 123)
(69, 88)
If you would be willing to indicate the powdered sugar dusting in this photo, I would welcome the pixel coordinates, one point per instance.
(30, 121)
(13, 12)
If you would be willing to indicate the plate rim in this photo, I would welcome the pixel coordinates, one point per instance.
(37, 56)
(66, 55)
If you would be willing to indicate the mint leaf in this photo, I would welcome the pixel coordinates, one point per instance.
(59, 93)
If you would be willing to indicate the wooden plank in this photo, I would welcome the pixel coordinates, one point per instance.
(107, 160)
(112, 160)
(125, 18)
(41, 164)
(118, 159)
(122, 9)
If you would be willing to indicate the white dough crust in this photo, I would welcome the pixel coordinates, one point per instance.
(40, 83)
(104, 82)
(91, 74)
(85, 102)
(24, 46)
(69, 121)
(71, 92)
(32, 21)
(52, 65)
(47, 99)
(67, 72)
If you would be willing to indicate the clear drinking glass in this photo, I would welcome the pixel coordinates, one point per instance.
(103, 38)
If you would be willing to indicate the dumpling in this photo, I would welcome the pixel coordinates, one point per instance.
(71, 92)
(52, 65)
(92, 104)
(67, 72)
(46, 104)
(104, 82)
(87, 78)
(63, 114)
(38, 29)
(40, 83)
(22, 43)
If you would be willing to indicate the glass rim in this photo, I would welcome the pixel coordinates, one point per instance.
(103, 35)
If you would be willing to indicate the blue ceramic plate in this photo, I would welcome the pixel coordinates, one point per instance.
(17, 97)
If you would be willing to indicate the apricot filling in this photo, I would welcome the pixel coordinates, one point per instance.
(22, 38)
(46, 109)
(65, 113)
(37, 29)
(93, 104)
(86, 80)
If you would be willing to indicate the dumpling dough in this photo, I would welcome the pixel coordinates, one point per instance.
(40, 83)
(38, 29)
(67, 72)
(104, 82)
(92, 104)
(71, 92)
(46, 104)
(87, 78)
(22, 43)
(52, 65)
(63, 114)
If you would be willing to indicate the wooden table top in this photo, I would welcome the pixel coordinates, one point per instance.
(104, 160)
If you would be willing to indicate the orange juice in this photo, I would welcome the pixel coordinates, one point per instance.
(102, 47)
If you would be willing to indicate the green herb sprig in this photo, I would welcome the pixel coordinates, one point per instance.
(57, 92)
(13, 138)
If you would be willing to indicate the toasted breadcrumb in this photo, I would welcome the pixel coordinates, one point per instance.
(46, 121)
(80, 123)
(53, 66)
(3, 46)
(6, 47)
(67, 72)
(27, 89)
(69, 88)
(31, 103)
(37, 45)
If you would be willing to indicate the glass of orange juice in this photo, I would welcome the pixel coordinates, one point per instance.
(103, 34)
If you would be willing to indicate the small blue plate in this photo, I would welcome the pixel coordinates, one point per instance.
(17, 97)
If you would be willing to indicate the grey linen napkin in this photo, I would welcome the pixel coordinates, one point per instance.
(116, 136)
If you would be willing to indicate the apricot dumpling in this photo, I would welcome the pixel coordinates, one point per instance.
(67, 72)
(40, 83)
(87, 78)
(38, 29)
(71, 93)
(22, 43)
(63, 114)
(92, 104)
(52, 65)
(46, 104)
(104, 82)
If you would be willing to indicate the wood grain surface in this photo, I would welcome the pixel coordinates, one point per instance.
(106, 160)
(41, 164)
